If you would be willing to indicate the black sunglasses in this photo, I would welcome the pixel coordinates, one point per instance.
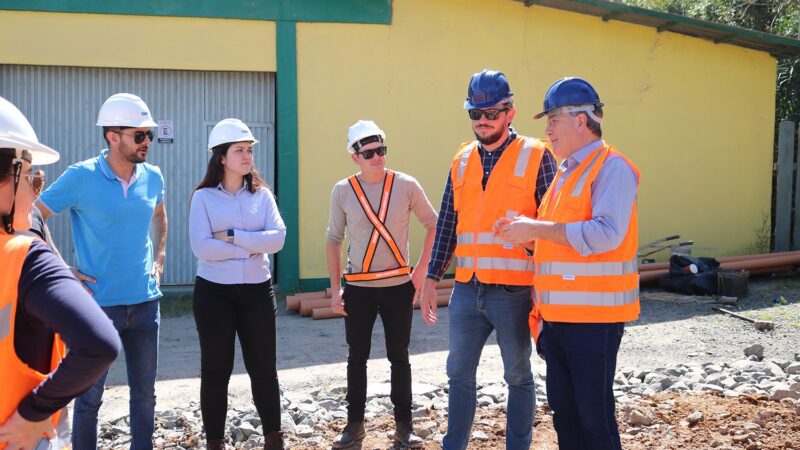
(138, 137)
(490, 114)
(368, 154)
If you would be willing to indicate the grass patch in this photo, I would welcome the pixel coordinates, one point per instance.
(778, 314)
(176, 302)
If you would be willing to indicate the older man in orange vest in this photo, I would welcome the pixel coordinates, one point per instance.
(586, 279)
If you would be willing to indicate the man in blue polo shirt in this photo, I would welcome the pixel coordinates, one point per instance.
(114, 200)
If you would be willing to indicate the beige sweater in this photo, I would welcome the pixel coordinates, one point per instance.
(347, 217)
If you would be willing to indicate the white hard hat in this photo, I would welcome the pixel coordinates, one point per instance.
(361, 130)
(17, 133)
(230, 130)
(125, 110)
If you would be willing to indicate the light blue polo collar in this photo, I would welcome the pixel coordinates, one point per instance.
(108, 172)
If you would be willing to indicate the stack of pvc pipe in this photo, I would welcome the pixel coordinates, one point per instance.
(317, 304)
(756, 264)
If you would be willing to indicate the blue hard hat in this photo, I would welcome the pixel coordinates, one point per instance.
(569, 91)
(487, 88)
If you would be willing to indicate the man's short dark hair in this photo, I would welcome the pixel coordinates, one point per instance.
(114, 129)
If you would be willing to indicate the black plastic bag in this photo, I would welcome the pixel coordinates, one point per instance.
(681, 280)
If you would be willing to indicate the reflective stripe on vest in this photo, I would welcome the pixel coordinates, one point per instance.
(512, 185)
(18, 379)
(597, 288)
(518, 265)
(520, 166)
(379, 231)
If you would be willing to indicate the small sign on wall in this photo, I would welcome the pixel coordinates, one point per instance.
(165, 132)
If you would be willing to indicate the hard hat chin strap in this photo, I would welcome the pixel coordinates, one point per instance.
(8, 220)
(588, 109)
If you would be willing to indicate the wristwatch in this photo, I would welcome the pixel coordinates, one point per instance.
(230, 236)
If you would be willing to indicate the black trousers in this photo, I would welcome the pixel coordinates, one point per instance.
(581, 363)
(221, 311)
(395, 306)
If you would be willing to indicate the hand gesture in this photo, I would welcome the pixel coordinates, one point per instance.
(83, 278)
(337, 302)
(21, 434)
(427, 303)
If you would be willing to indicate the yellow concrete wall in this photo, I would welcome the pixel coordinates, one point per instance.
(142, 42)
(695, 116)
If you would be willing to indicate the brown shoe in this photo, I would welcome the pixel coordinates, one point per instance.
(352, 434)
(404, 435)
(273, 441)
(215, 444)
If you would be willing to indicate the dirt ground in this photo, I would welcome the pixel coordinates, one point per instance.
(672, 329)
(744, 422)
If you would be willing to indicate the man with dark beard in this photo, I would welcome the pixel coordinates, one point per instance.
(115, 200)
(501, 174)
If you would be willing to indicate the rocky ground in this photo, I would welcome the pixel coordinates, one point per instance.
(752, 403)
(689, 378)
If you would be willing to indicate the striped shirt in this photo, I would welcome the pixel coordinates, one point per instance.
(445, 243)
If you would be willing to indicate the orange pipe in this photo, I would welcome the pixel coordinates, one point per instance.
(766, 270)
(307, 305)
(293, 301)
(324, 313)
(724, 259)
(446, 283)
(441, 300)
(443, 291)
(778, 260)
(760, 266)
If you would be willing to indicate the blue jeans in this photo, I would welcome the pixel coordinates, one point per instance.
(476, 310)
(138, 330)
(581, 361)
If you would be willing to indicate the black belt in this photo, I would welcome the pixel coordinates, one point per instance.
(474, 280)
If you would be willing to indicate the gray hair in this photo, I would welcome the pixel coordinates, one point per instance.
(591, 124)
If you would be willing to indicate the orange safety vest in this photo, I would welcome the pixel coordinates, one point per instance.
(510, 191)
(379, 231)
(17, 379)
(598, 288)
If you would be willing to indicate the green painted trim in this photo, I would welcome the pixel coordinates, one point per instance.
(288, 260)
(679, 19)
(313, 284)
(351, 11)
(742, 37)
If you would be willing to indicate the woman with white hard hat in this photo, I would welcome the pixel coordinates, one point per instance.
(234, 224)
(43, 308)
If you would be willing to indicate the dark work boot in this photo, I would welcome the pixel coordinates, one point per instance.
(215, 444)
(352, 434)
(273, 441)
(405, 437)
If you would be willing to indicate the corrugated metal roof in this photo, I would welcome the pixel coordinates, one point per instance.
(778, 46)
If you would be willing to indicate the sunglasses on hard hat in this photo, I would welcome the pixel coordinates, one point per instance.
(368, 154)
(490, 114)
(138, 136)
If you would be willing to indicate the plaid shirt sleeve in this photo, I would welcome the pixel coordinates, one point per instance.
(547, 171)
(445, 242)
